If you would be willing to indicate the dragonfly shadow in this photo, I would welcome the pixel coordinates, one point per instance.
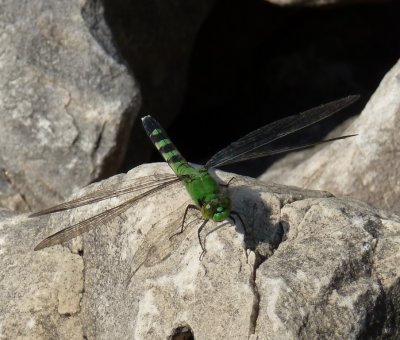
(260, 212)
(262, 230)
(164, 238)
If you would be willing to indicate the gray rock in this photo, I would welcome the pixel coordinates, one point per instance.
(315, 265)
(365, 167)
(67, 102)
(326, 279)
(40, 292)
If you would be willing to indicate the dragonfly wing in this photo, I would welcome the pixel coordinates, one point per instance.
(270, 152)
(164, 238)
(92, 222)
(277, 130)
(130, 186)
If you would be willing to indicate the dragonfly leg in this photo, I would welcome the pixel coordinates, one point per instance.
(190, 206)
(225, 185)
(203, 246)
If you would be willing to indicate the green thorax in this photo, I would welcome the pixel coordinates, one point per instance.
(199, 183)
(203, 189)
(206, 194)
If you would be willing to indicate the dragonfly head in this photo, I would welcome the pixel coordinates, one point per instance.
(217, 207)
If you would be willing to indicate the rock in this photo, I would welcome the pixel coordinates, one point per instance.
(326, 277)
(40, 292)
(67, 102)
(364, 167)
(314, 264)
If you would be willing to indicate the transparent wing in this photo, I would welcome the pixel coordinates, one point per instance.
(105, 216)
(134, 185)
(270, 152)
(163, 238)
(277, 130)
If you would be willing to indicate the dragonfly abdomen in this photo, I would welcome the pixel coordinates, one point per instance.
(164, 145)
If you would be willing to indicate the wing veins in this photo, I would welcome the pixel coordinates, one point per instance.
(270, 152)
(108, 192)
(158, 245)
(277, 130)
(90, 223)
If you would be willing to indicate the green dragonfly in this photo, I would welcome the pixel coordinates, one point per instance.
(206, 194)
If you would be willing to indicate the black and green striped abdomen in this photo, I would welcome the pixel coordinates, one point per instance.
(163, 144)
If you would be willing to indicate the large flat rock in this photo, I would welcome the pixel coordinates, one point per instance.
(309, 264)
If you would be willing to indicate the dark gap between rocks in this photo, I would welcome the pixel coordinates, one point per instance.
(182, 333)
(256, 299)
(220, 69)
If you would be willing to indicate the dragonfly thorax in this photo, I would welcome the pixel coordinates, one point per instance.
(216, 207)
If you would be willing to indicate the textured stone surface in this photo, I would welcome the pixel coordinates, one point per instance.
(315, 265)
(325, 278)
(40, 293)
(365, 167)
(66, 101)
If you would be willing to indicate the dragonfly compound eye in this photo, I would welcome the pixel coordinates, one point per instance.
(222, 208)
(221, 216)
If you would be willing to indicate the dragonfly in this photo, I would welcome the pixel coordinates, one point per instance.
(207, 195)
